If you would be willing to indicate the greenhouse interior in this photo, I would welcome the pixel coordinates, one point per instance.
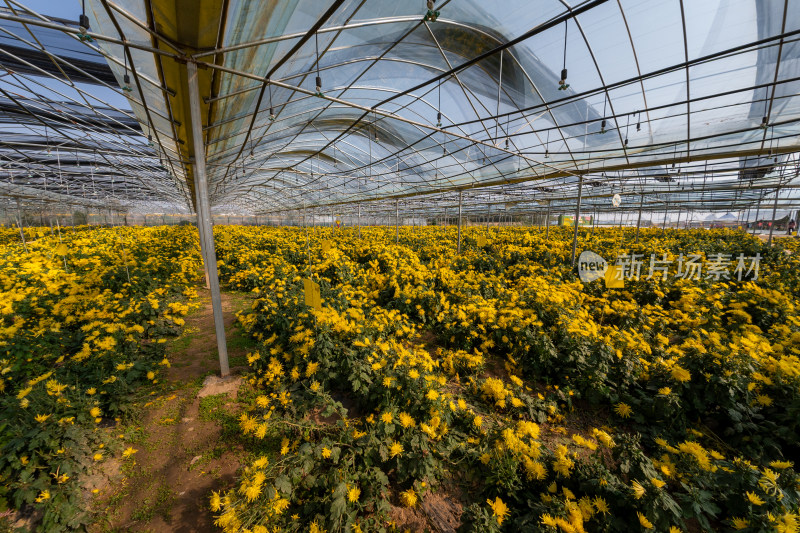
(424, 266)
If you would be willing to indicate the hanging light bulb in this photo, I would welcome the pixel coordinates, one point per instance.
(547, 153)
(603, 126)
(319, 86)
(764, 123)
(272, 114)
(438, 119)
(150, 140)
(506, 143)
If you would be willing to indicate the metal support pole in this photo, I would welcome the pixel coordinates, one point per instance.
(203, 249)
(397, 221)
(758, 209)
(577, 219)
(458, 246)
(774, 209)
(639, 221)
(359, 221)
(21, 231)
(204, 214)
(547, 221)
(664, 225)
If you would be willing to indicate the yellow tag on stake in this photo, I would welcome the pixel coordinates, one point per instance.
(312, 297)
(481, 241)
(61, 249)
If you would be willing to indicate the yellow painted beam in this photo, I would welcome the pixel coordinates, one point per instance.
(194, 25)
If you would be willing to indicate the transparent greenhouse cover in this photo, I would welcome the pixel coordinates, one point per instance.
(663, 97)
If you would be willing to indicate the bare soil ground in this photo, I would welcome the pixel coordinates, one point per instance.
(184, 442)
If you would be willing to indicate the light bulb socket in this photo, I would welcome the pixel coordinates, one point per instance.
(83, 23)
(319, 84)
(563, 75)
(126, 79)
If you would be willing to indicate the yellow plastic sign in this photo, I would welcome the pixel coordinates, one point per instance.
(62, 249)
(481, 241)
(614, 277)
(326, 246)
(311, 290)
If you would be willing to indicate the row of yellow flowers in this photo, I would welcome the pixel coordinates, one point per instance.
(439, 369)
(83, 315)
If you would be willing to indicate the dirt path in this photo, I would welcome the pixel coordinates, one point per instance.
(182, 451)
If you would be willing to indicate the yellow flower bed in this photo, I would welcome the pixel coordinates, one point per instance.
(82, 318)
(472, 369)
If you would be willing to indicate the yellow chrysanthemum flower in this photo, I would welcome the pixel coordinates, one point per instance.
(623, 409)
(644, 521)
(499, 509)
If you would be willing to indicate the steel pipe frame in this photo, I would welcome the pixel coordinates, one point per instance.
(576, 222)
(458, 246)
(204, 225)
(774, 209)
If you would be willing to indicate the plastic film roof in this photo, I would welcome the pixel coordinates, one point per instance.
(680, 105)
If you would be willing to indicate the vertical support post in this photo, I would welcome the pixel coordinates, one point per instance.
(204, 214)
(577, 219)
(21, 231)
(639, 220)
(664, 224)
(203, 249)
(458, 246)
(547, 222)
(758, 209)
(359, 220)
(397, 221)
(774, 209)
